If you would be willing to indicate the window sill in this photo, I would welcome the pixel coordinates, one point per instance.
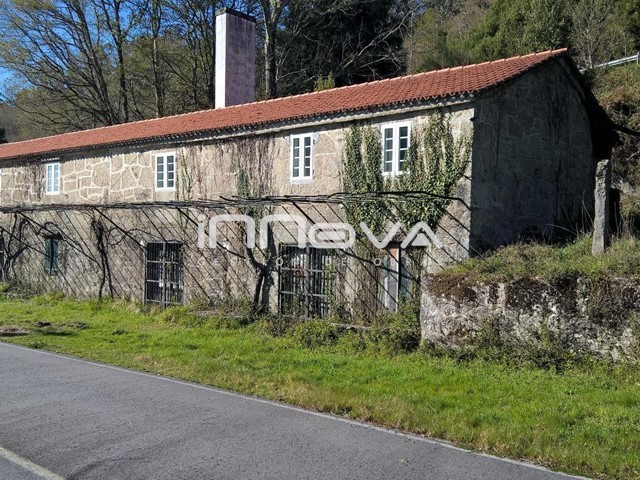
(393, 174)
(301, 181)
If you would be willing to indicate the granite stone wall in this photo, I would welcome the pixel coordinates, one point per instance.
(597, 316)
(205, 169)
(533, 163)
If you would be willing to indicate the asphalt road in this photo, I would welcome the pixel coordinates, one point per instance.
(82, 420)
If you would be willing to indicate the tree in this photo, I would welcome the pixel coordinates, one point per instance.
(57, 46)
(349, 40)
(7, 122)
(439, 36)
(515, 27)
(272, 11)
(597, 35)
(88, 63)
(121, 19)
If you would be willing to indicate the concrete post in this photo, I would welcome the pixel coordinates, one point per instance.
(235, 58)
(601, 234)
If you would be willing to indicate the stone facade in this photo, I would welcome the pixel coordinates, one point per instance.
(594, 316)
(205, 169)
(533, 160)
(527, 175)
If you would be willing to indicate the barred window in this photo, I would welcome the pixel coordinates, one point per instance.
(164, 273)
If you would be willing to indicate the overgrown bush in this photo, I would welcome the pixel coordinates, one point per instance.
(398, 332)
(618, 91)
(630, 213)
(316, 333)
(389, 333)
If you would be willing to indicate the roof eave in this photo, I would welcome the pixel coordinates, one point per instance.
(261, 128)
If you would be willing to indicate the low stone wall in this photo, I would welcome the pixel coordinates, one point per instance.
(586, 315)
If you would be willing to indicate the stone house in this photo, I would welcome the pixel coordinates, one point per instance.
(536, 133)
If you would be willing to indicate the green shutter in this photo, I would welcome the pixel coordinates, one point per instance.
(55, 247)
(51, 254)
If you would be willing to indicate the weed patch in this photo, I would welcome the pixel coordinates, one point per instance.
(549, 263)
(581, 418)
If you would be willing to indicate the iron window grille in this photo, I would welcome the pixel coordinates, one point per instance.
(164, 279)
(308, 278)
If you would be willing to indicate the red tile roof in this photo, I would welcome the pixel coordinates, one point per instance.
(450, 82)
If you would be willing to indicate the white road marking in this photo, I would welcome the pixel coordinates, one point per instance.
(28, 466)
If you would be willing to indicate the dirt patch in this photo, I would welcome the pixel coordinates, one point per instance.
(13, 331)
(77, 325)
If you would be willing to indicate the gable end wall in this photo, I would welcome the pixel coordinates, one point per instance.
(533, 165)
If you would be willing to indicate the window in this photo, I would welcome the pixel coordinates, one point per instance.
(51, 255)
(52, 178)
(395, 145)
(164, 273)
(165, 171)
(301, 155)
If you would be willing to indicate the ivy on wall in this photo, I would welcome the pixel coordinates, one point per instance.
(254, 179)
(362, 174)
(435, 162)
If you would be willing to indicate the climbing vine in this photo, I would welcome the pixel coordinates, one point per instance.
(435, 162)
(362, 174)
(254, 179)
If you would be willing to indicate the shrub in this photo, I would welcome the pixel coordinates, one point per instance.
(316, 333)
(551, 263)
(398, 332)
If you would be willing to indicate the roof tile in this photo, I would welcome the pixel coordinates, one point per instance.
(445, 83)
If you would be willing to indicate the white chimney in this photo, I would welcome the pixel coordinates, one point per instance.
(235, 58)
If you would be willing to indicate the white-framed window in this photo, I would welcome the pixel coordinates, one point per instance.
(165, 171)
(302, 157)
(52, 178)
(395, 147)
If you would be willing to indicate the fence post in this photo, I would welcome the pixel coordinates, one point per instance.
(601, 237)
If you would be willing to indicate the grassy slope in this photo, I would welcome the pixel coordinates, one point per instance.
(585, 421)
(553, 263)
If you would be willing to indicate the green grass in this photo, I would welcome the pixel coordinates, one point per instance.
(586, 420)
(553, 263)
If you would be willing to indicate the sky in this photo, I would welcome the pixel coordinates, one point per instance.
(4, 75)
